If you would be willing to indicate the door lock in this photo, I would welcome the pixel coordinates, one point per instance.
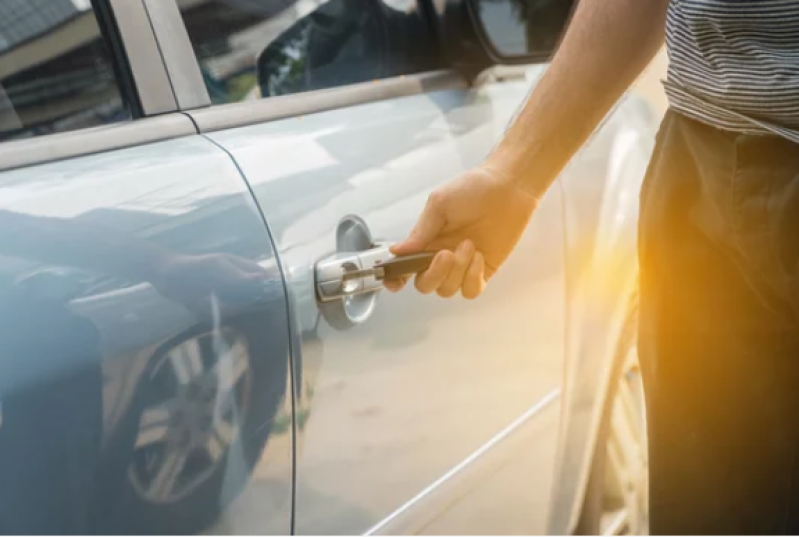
(349, 274)
(331, 283)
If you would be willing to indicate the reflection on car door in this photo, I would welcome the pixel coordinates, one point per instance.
(134, 454)
(138, 396)
(396, 412)
(399, 401)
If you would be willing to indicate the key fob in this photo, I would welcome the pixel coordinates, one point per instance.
(406, 265)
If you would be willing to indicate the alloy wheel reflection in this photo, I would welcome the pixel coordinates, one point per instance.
(197, 399)
(626, 501)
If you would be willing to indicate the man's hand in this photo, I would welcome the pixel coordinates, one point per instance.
(477, 219)
(474, 222)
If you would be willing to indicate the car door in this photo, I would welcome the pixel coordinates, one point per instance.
(343, 118)
(143, 330)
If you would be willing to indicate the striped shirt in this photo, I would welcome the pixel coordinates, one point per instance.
(734, 64)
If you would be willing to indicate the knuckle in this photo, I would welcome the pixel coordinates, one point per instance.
(434, 200)
(447, 259)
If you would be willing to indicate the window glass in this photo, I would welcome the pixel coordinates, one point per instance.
(522, 27)
(56, 70)
(249, 49)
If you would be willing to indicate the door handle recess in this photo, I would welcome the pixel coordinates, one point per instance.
(346, 304)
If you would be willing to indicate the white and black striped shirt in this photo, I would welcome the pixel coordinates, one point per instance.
(734, 64)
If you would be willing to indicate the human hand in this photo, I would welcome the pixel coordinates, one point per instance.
(474, 222)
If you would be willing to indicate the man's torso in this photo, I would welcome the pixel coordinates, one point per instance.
(734, 64)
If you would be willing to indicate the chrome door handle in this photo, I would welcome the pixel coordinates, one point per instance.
(329, 273)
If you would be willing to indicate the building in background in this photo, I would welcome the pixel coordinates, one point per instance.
(56, 72)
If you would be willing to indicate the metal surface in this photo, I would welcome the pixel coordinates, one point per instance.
(626, 498)
(411, 517)
(602, 271)
(105, 281)
(333, 283)
(177, 53)
(292, 106)
(143, 55)
(198, 420)
(377, 273)
(422, 383)
(44, 149)
(424, 389)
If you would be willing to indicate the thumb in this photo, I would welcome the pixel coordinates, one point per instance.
(427, 228)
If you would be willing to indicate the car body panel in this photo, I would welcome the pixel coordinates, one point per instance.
(387, 404)
(439, 417)
(602, 271)
(184, 195)
(597, 191)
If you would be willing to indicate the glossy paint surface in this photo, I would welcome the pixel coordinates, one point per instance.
(389, 407)
(601, 220)
(114, 319)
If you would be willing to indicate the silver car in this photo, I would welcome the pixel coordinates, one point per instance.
(183, 185)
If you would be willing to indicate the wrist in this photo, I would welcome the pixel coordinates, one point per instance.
(524, 174)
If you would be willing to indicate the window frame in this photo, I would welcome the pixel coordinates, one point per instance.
(136, 50)
(143, 80)
(193, 97)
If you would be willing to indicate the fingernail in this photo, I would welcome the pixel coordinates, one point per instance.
(465, 247)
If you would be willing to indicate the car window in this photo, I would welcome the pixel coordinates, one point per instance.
(521, 27)
(56, 70)
(248, 49)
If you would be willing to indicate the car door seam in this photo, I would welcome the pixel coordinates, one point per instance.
(290, 322)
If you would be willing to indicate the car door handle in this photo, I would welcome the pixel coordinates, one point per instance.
(329, 273)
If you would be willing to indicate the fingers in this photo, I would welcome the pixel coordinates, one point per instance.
(474, 281)
(427, 228)
(431, 279)
(461, 262)
(395, 285)
(450, 272)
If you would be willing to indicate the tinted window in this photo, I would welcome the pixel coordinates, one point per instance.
(56, 71)
(522, 27)
(256, 48)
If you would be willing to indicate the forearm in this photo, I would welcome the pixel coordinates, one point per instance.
(607, 45)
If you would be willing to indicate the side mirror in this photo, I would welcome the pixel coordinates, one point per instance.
(316, 51)
(516, 31)
(480, 33)
(282, 66)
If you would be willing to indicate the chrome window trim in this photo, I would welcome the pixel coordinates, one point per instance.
(177, 53)
(150, 78)
(52, 147)
(299, 104)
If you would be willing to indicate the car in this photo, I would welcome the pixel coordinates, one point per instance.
(183, 185)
